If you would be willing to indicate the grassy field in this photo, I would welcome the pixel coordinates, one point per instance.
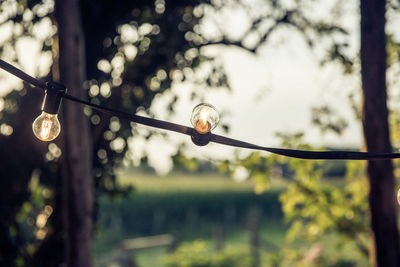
(144, 182)
(191, 206)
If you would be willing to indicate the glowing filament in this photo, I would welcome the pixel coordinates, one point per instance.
(45, 129)
(202, 125)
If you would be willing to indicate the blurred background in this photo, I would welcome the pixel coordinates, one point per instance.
(108, 192)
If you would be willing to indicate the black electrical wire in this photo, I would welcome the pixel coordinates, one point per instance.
(136, 118)
(306, 154)
(302, 154)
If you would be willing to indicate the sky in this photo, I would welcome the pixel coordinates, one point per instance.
(272, 91)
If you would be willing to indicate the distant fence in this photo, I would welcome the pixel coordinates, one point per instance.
(123, 257)
(151, 241)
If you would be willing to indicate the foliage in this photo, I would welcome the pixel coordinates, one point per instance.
(325, 119)
(32, 218)
(182, 163)
(19, 241)
(196, 254)
(318, 211)
(133, 56)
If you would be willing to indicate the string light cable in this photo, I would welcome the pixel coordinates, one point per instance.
(204, 118)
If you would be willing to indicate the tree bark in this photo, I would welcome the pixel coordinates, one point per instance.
(77, 180)
(376, 133)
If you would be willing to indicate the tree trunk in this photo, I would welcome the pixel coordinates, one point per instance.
(77, 180)
(376, 132)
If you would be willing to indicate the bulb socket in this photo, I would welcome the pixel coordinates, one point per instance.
(200, 139)
(53, 96)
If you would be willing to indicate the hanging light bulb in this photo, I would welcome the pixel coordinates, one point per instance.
(398, 196)
(46, 127)
(204, 118)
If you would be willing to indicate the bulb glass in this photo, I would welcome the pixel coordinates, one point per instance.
(46, 127)
(204, 118)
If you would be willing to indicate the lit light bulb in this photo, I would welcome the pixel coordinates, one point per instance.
(398, 196)
(46, 127)
(204, 118)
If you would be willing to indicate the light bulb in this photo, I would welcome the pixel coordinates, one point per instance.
(204, 118)
(398, 196)
(46, 127)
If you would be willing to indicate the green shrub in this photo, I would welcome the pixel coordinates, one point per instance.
(197, 254)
